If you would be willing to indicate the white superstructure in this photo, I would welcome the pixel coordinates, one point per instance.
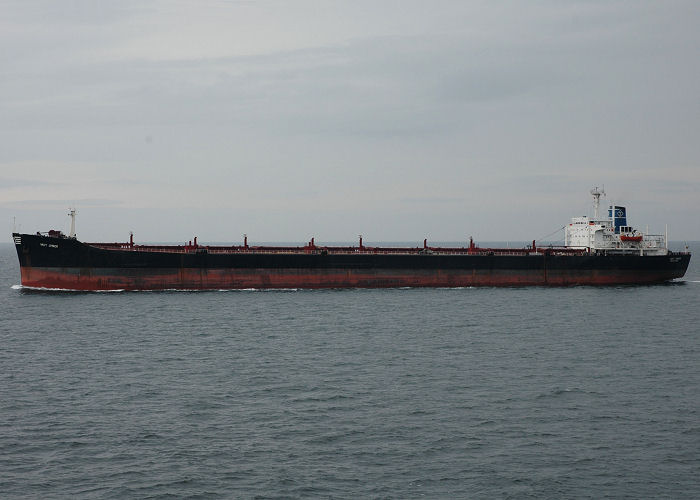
(611, 235)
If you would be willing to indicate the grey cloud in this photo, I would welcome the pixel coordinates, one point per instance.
(527, 104)
(86, 202)
(9, 183)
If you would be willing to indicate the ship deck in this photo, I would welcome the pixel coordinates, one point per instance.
(338, 250)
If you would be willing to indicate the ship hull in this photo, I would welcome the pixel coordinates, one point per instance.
(207, 279)
(64, 263)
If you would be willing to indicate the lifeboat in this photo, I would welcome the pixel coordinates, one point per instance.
(630, 237)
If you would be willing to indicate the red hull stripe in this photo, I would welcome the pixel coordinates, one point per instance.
(202, 279)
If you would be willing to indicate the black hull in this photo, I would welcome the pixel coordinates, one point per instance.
(55, 262)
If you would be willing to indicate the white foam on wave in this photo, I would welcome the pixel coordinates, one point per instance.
(209, 290)
(43, 288)
(46, 289)
(182, 290)
(259, 289)
(171, 290)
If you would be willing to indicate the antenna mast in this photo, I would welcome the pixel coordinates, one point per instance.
(596, 200)
(71, 212)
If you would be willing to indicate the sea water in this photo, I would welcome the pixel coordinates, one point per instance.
(581, 392)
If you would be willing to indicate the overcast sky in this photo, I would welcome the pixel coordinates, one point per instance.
(397, 120)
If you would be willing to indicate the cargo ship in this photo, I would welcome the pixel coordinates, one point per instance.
(596, 251)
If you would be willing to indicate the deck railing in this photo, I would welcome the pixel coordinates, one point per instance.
(191, 249)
